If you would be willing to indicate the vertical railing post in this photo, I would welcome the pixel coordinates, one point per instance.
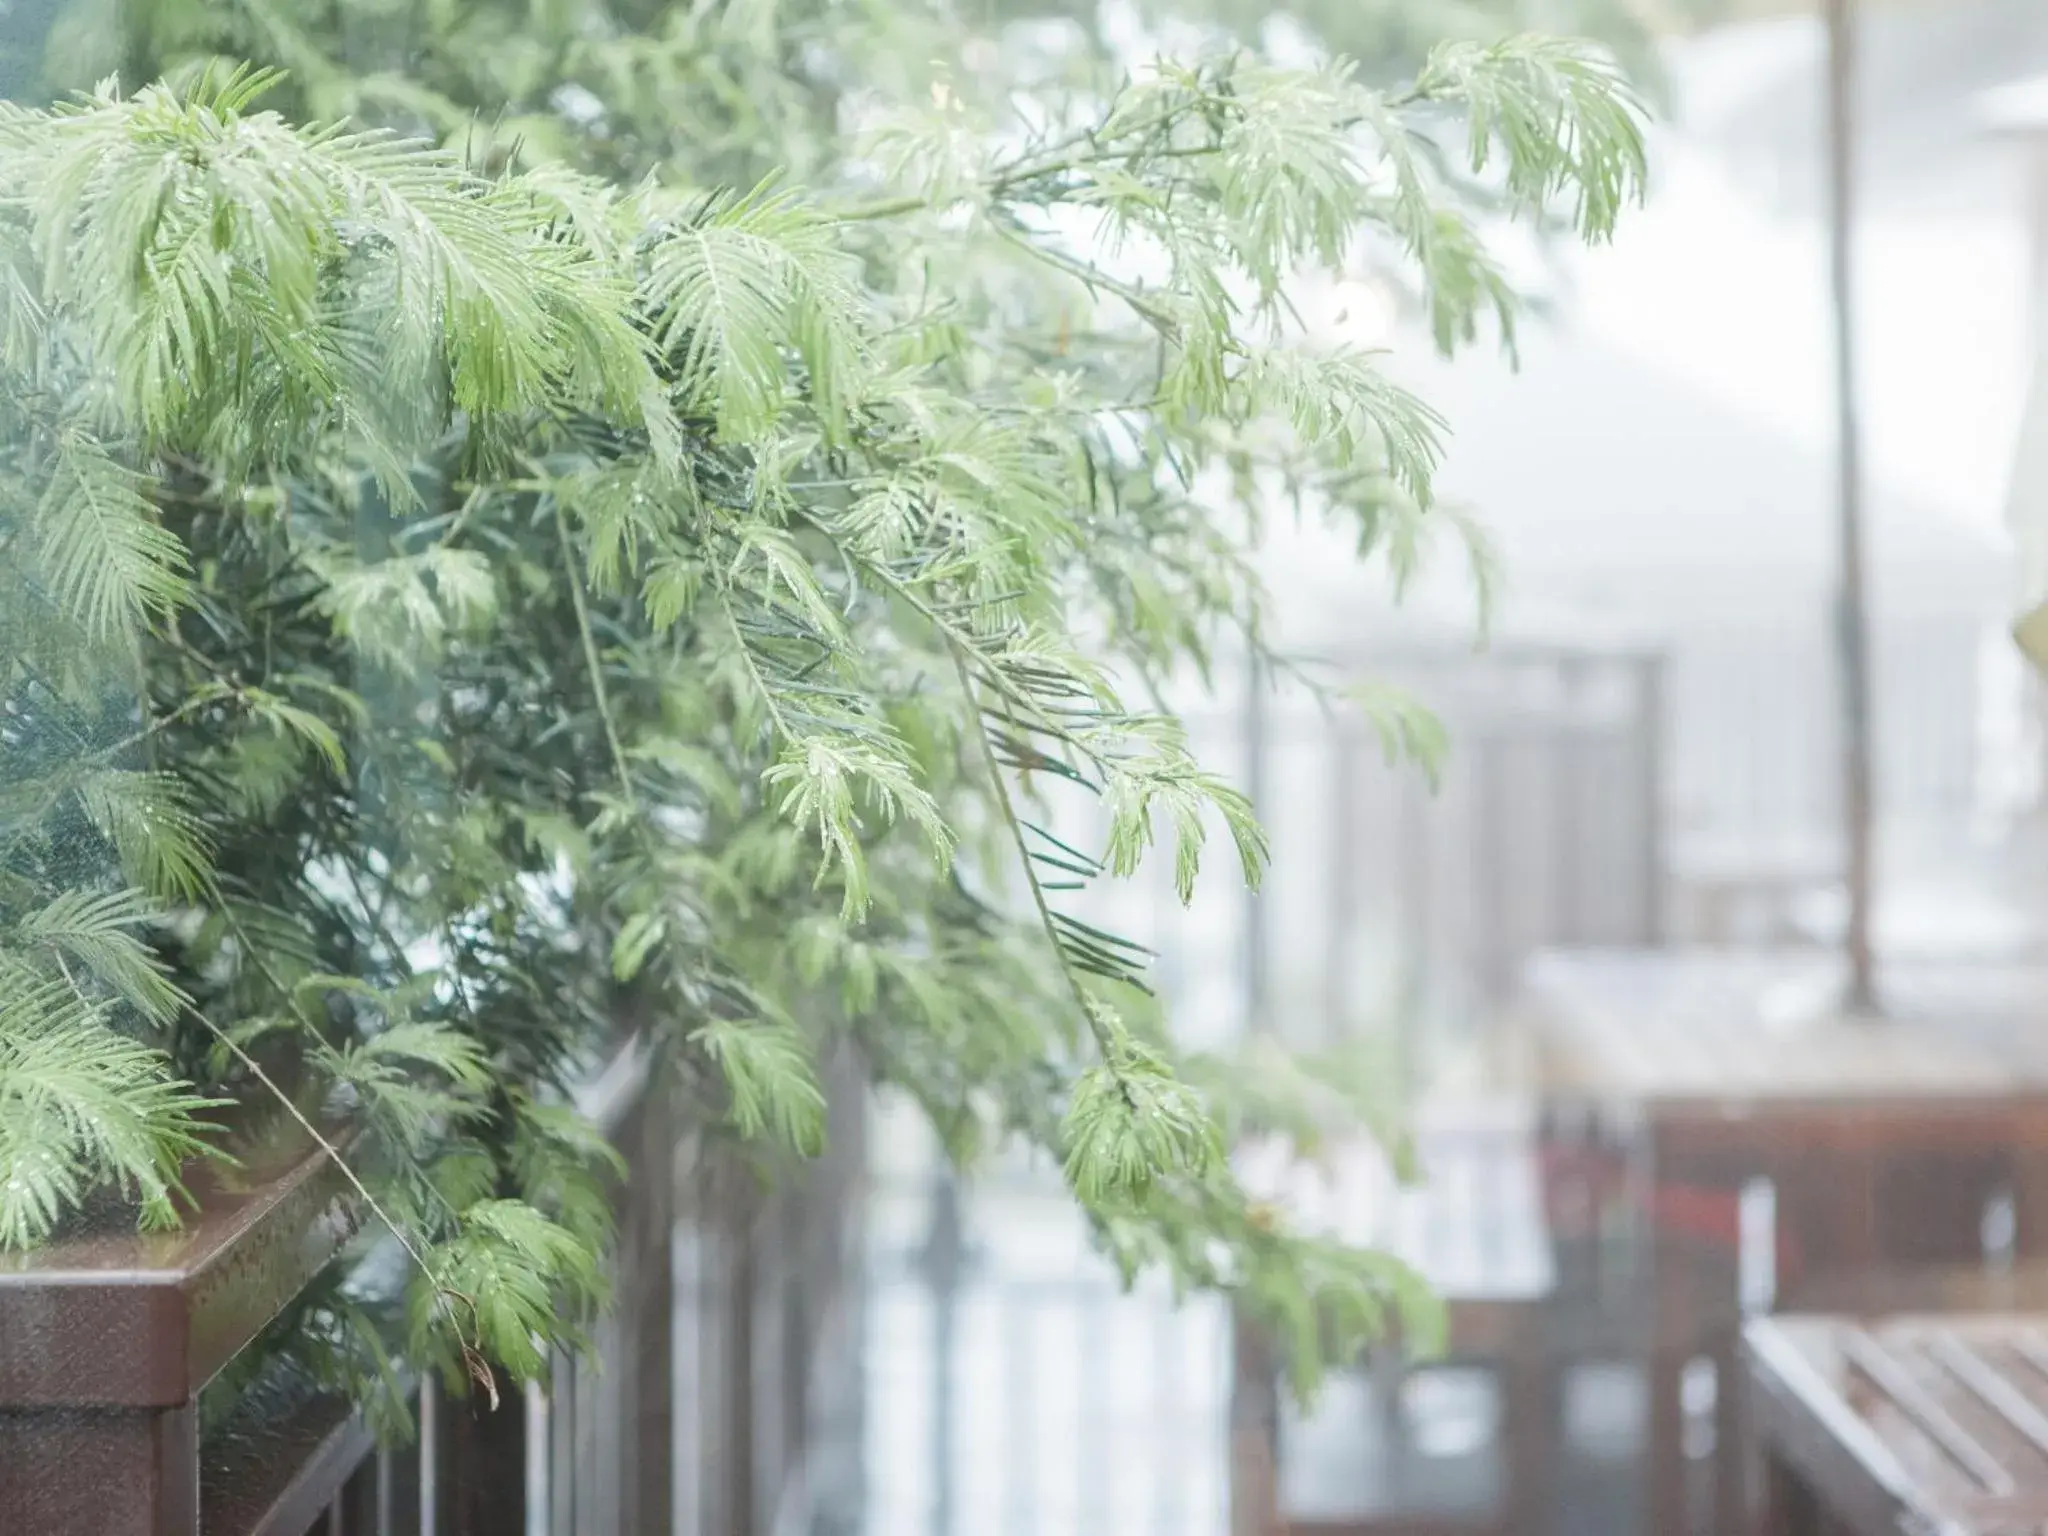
(843, 1500)
(739, 1273)
(1568, 760)
(1419, 831)
(695, 1370)
(768, 1290)
(1257, 956)
(1347, 856)
(121, 1473)
(647, 1319)
(1254, 1432)
(943, 1263)
(1489, 867)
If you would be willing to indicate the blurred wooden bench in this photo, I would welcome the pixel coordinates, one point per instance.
(1524, 1312)
(1926, 1422)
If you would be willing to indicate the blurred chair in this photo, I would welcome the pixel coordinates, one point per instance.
(1582, 1366)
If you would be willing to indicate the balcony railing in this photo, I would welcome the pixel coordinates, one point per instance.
(707, 1405)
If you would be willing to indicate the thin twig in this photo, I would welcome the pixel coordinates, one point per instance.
(776, 718)
(1161, 319)
(590, 656)
(961, 644)
(472, 1359)
(1105, 1042)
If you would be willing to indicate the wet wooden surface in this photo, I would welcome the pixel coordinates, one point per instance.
(1747, 1033)
(1930, 1423)
(1884, 1142)
(121, 1319)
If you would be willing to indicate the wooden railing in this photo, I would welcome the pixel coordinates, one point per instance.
(719, 1383)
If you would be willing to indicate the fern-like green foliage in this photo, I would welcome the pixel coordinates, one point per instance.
(83, 1107)
(457, 595)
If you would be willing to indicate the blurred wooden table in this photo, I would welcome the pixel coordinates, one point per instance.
(1926, 1422)
(1884, 1141)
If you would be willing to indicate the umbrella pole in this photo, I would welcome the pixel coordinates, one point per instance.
(1851, 617)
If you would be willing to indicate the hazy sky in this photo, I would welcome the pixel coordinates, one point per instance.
(1734, 299)
(1718, 285)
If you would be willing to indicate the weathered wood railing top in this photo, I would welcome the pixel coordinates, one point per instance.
(106, 1340)
(695, 1413)
(128, 1320)
(108, 1336)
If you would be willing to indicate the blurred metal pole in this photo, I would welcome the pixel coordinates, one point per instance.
(1650, 739)
(1851, 619)
(943, 1262)
(1347, 837)
(1256, 957)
